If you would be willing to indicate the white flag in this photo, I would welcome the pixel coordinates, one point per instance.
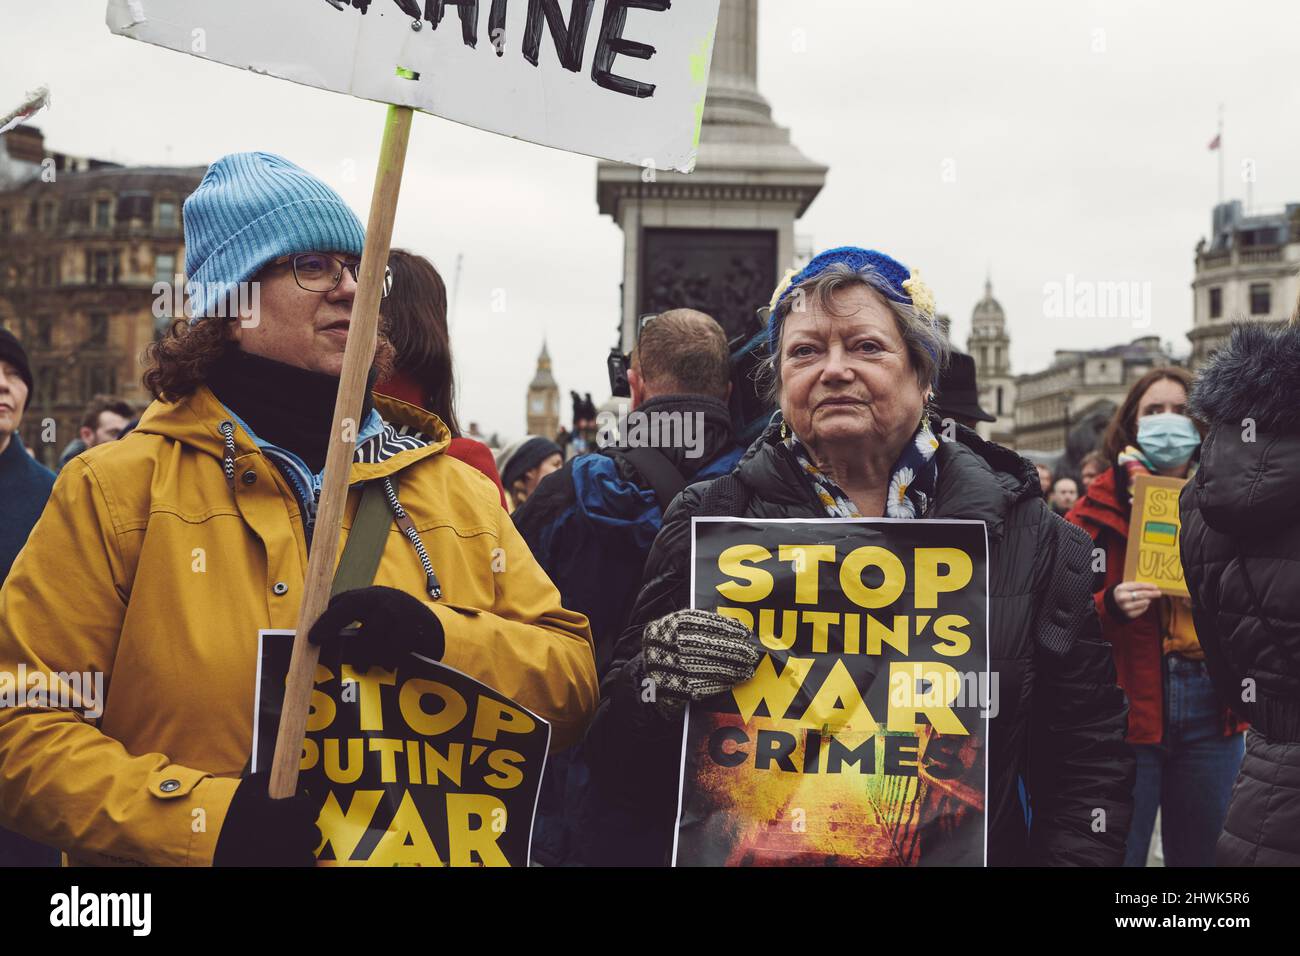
(36, 101)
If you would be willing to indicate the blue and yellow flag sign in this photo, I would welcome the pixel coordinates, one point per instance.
(862, 738)
(1152, 555)
(422, 766)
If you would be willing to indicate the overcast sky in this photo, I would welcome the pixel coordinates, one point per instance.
(1036, 139)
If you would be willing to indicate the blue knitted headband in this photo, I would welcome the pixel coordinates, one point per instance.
(901, 284)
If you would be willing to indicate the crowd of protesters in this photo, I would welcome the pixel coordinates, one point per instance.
(1125, 699)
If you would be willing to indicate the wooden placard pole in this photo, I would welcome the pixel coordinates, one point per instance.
(357, 357)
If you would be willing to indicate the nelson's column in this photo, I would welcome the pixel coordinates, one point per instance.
(719, 238)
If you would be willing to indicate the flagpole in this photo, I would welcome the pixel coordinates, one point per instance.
(1220, 154)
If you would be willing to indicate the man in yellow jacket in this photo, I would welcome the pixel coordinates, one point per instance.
(161, 556)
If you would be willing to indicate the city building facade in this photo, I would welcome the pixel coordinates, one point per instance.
(82, 245)
(1079, 386)
(1248, 271)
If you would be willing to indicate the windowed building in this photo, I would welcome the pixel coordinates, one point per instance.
(82, 243)
(1246, 272)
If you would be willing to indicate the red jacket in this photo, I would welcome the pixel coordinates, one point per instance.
(471, 452)
(1136, 643)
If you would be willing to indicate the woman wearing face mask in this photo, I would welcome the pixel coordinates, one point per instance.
(1188, 747)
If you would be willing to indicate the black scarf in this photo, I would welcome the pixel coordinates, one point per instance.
(290, 407)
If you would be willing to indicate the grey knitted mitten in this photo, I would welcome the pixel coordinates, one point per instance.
(691, 655)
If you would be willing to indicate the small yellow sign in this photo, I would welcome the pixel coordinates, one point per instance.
(1153, 532)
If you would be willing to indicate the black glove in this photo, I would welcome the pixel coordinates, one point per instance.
(393, 625)
(259, 831)
(691, 655)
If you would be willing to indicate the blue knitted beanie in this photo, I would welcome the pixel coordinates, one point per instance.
(893, 272)
(251, 208)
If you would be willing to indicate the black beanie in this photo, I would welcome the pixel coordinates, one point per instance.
(11, 351)
(529, 455)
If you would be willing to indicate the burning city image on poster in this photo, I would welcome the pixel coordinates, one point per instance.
(861, 739)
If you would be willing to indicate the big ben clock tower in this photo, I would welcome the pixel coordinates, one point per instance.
(544, 399)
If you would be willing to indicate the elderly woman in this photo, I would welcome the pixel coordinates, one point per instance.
(855, 352)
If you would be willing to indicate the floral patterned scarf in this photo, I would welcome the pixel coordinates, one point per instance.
(1135, 463)
(911, 481)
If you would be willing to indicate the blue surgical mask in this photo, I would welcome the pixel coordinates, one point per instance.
(1167, 439)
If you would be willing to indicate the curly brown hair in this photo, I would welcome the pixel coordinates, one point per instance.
(179, 361)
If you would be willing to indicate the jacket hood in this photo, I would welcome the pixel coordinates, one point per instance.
(1245, 487)
(1246, 482)
(413, 434)
(1256, 376)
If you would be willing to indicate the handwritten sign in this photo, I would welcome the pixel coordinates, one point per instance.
(1153, 535)
(618, 79)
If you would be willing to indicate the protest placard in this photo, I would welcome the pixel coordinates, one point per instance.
(1153, 535)
(619, 79)
(422, 766)
(862, 737)
(411, 56)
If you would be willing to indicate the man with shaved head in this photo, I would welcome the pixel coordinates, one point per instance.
(590, 526)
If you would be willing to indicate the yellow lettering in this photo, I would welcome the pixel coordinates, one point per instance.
(839, 705)
(356, 761)
(423, 722)
(945, 629)
(503, 762)
(344, 830)
(878, 635)
(890, 588)
(778, 692)
(906, 702)
(491, 717)
(388, 749)
(370, 704)
(468, 842)
(767, 624)
(821, 622)
(731, 562)
(321, 714)
(436, 764)
(807, 565)
(930, 583)
(406, 841)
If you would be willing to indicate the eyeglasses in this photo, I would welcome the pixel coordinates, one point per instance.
(318, 272)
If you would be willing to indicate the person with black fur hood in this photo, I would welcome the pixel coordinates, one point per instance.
(1241, 556)
(855, 353)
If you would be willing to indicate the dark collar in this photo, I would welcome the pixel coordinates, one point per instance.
(287, 406)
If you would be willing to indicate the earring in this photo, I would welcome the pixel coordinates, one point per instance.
(785, 432)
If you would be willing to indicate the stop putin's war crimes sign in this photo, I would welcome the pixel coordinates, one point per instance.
(862, 738)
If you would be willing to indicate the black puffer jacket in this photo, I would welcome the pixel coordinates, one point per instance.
(1060, 720)
(1241, 556)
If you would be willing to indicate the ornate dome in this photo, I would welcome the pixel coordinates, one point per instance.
(988, 308)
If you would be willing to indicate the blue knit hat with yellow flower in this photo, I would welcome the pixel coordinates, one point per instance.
(901, 284)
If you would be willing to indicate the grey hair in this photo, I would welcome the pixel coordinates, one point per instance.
(927, 348)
